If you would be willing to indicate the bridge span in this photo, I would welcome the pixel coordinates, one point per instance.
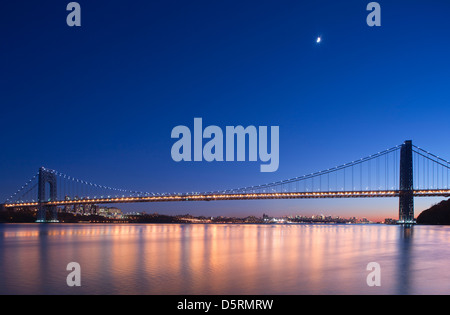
(403, 172)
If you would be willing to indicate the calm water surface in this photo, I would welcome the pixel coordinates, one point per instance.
(223, 259)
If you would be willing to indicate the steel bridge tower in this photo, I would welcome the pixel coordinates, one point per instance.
(406, 189)
(45, 177)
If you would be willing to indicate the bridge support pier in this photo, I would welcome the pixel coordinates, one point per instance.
(406, 199)
(46, 177)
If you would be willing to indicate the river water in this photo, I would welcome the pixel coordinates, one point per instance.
(223, 259)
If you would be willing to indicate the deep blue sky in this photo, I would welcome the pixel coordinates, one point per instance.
(99, 101)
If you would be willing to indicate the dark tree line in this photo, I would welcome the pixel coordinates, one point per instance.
(438, 214)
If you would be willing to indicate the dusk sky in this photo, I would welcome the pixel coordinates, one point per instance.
(99, 101)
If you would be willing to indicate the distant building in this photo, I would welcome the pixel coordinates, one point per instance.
(110, 212)
(390, 221)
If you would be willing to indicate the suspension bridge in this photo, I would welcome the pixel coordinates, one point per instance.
(404, 171)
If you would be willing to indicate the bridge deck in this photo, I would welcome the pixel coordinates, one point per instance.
(235, 196)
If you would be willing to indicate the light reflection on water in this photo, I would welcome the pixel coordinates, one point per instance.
(223, 259)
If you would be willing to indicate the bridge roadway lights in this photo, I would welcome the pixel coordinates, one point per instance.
(351, 194)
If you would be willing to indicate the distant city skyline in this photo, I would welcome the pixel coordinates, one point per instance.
(100, 100)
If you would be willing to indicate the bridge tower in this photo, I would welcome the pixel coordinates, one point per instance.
(46, 176)
(406, 202)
